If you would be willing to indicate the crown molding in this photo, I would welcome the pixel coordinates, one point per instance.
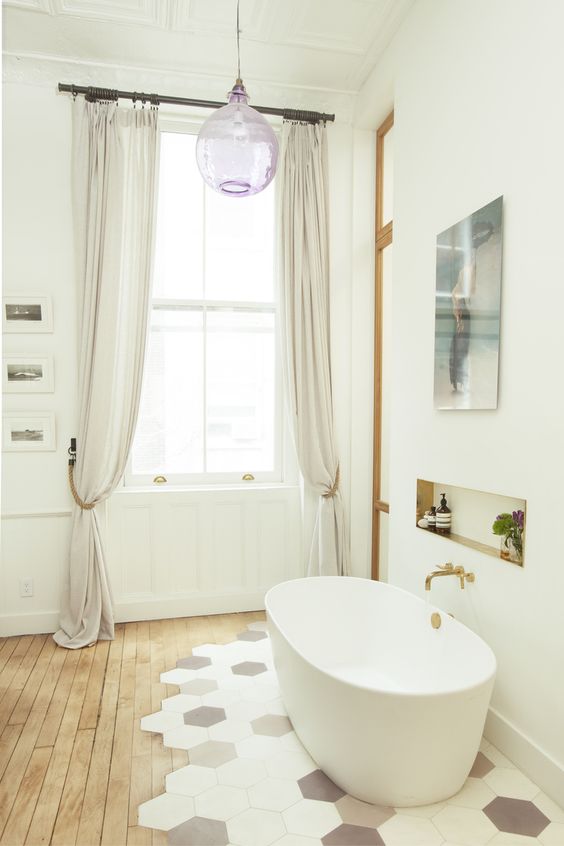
(35, 69)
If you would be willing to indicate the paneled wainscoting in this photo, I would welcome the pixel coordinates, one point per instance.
(172, 553)
(177, 553)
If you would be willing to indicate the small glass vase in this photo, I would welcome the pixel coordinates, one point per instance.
(510, 552)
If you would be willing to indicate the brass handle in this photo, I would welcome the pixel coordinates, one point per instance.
(248, 477)
(160, 480)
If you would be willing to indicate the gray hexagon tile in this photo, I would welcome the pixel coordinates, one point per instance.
(204, 716)
(250, 782)
(249, 668)
(251, 635)
(193, 662)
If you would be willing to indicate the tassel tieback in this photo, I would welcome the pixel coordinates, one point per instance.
(335, 487)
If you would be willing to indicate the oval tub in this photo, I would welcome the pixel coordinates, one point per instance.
(390, 708)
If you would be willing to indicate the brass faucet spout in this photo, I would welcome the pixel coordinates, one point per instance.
(449, 570)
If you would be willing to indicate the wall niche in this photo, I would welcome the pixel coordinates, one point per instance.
(473, 514)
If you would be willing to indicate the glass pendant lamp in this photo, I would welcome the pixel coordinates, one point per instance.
(237, 150)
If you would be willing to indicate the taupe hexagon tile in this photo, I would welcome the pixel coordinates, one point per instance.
(317, 785)
(250, 782)
(199, 831)
(213, 753)
(272, 724)
(516, 816)
(352, 835)
(198, 687)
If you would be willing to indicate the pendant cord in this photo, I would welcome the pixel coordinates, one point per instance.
(238, 51)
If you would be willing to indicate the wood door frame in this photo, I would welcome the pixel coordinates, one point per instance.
(383, 238)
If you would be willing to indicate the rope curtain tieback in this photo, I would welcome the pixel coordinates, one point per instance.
(333, 490)
(84, 506)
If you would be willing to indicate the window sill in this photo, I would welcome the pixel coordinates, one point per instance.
(217, 488)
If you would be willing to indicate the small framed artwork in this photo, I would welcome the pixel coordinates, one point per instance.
(27, 374)
(27, 314)
(32, 431)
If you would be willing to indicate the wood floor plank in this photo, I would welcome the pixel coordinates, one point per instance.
(14, 772)
(17, 826)
(33, 682)
(92, 813)
(59, 699)
(44, 818)
(13, 663)
(92, 700)
(74, 763)
(68, 817)
(7, 649)
(7, 706)
(117, 801)
(142, 739)
(8, 740)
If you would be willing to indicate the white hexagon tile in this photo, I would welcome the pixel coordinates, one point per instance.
(250, 782)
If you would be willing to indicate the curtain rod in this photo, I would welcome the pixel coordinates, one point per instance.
(93, 93)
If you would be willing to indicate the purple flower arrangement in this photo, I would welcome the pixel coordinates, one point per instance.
(510, 527)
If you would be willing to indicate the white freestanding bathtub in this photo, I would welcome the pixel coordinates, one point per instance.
(390, 708)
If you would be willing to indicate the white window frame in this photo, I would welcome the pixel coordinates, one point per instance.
(284, 471)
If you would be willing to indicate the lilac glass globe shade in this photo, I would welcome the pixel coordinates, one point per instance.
(237, 150)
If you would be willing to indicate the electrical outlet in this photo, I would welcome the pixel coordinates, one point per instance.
(26, 587)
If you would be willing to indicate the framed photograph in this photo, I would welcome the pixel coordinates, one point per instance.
(467, 310)
(27, 314)
(27, 374)
(32, 431)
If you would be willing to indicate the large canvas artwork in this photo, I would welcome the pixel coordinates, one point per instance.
(467, 311)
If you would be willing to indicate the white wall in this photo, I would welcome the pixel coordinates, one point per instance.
(476, 89)
(262, 538)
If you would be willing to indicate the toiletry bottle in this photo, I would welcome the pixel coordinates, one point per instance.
(444, 517)
(432, 518)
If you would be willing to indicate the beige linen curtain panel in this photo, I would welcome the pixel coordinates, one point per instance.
(303, 258)
(114, 154)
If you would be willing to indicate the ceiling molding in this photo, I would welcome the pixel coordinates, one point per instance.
(49, 71)
(44, 6)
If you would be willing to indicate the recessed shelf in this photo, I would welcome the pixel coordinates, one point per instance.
(473, 513)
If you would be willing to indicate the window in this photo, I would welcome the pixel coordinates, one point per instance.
(210, 405)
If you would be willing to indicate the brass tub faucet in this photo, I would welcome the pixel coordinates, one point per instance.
(450, 570)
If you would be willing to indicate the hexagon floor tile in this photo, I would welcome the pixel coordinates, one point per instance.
(250, 782)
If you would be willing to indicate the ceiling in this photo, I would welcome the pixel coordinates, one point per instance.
(322, 44)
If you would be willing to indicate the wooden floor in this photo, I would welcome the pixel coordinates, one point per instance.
(74, 764)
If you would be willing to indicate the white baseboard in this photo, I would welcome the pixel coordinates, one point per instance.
(197, 605)
(530, 758)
